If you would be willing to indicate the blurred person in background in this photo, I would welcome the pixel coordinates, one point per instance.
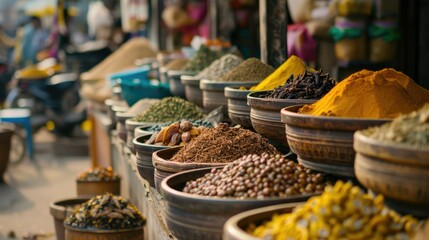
(189, 18)
(104, 22)
(33, 41)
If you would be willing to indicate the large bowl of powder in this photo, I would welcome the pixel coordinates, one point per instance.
(393, 160)
(321, 134)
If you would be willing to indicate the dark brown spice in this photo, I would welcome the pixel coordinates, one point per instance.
(310, 85)
(223, 144)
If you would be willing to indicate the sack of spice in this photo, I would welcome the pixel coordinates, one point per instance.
(219, 67)
(258, 176)
(309, 85)
(95, 86)
(176, 64)
(410, 130)
(343, 211)
(141, 106)
(292, 66)
(170, 109)
(371, 94)
(98, 174)
(201, 59)
(223, 144)
(122, 59)
(106, 212)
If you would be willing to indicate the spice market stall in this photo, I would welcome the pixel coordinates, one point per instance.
(195, 176)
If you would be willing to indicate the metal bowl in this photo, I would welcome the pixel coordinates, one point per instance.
(398, 172)
(144, 157)
(121, 117)
(324, 143)
(131, 125)
(213, 93)
(176, 86)
(238, 110)
(60, 210)
(191, 216)
(265, 115)
(234, 228)
(192, 89)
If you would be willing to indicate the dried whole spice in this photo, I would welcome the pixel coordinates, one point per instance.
(219, 67)
(412, 130)
(197, 123)
(170, 109)
(310, 85)
(223, 144)
(176, 134)
(251, 70)
(98, 174)
(258, 176)
(343, 211)
(106, 212)
(202, 58)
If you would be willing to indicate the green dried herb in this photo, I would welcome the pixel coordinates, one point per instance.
(202, 58)
(170, 109)
(106, 212)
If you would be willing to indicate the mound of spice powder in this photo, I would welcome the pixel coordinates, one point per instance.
(170, 109)
(371, 94)
(251, 70)
(176, 64)
(219, 67)
(106, 212)
(292, 66)
(223, 144)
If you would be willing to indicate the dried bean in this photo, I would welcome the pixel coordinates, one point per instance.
(267, 179)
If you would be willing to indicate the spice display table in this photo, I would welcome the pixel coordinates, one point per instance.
(146, 198)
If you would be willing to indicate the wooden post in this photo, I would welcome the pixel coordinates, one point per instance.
(273, 31)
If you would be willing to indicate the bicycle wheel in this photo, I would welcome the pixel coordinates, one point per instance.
(17, 150)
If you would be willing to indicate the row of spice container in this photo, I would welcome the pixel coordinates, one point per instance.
(304, 110)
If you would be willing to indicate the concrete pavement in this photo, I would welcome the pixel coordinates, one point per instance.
(32, 185)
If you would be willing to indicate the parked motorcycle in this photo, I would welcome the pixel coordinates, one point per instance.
(54, 100)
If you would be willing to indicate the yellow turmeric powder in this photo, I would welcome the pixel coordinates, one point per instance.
(293, 65)
(368, 94)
